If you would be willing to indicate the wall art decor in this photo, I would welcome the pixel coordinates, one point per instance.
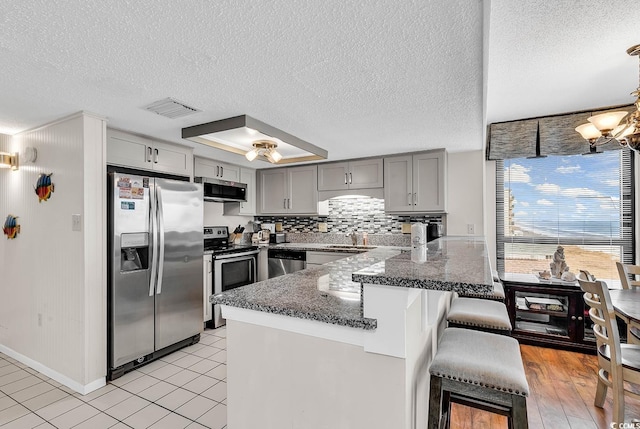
(44, 187)
(11, 227)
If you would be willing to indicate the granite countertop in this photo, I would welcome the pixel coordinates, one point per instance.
(458, 264)
(331, 293)
(324, 293)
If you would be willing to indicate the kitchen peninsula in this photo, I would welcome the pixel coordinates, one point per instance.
(346, 344)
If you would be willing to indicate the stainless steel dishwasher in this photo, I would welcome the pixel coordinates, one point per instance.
(285, 261)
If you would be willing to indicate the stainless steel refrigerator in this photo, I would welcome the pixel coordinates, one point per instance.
(155, 290)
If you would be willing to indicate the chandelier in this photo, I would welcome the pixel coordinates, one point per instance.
(607, 126)
(266, 148)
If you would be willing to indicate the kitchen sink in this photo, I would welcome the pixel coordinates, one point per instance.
(349, 246)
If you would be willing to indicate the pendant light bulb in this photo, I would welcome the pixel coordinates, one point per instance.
(275, 155)
(251, 155)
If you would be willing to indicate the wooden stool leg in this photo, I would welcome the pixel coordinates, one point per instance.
(446, 409)
(519, 412)
(601, 393)
(435, 402)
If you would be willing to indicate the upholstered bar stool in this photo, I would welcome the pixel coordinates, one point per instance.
(479, 314)
(479, 370)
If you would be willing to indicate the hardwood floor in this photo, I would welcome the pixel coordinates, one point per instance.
(562, 387)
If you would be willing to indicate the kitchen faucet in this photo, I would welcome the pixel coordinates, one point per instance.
(354, 238)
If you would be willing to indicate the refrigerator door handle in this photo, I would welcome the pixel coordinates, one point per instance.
(154, 239)
(160, 219)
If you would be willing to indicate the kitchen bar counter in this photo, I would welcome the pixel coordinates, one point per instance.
(332, 293)
(324, 293)
(316, 349)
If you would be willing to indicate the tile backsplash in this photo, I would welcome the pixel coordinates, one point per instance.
(359, 214)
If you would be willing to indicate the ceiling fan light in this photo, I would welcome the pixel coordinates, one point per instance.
(275, 155)
(251, 155)
(588, 131)
(605, 122)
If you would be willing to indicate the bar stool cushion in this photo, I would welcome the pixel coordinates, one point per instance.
(482, 359)
(480, 313)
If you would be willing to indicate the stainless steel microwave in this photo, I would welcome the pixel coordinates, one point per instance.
(222, 190)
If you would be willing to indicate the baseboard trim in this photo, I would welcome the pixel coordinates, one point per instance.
(55, 375)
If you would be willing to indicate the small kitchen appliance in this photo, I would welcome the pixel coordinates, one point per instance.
(277, 237)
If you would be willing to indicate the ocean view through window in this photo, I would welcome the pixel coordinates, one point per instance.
(583, 203)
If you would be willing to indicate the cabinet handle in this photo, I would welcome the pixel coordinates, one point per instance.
(415, 199)
(573, 317)
(579, 317)
(350, 178)
(409, 198)
(155, 161)
(288, 203)
(149, 154)
(345, 178)
(221, 171)
(217, 171)
(285, 204)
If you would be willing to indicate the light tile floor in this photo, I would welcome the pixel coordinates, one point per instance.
(186, 389)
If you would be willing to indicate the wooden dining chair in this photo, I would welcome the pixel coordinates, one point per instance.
(628, 273)
(628, 279)
(618, 362)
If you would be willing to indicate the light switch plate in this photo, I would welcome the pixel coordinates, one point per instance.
(322, 227)
(76, 222)
(406, 228)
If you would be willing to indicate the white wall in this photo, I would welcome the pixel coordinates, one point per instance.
(213, 217)
(53, 289)
(465, 192)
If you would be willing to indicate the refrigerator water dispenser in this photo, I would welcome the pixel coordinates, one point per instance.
(134, 252)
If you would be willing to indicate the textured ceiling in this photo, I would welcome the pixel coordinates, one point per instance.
(354, 77)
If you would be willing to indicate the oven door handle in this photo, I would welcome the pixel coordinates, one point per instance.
(236, 255)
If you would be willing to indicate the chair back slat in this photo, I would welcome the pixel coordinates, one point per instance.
(596, 296)
(628, 273)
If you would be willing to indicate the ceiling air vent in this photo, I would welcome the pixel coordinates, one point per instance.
(171, 108)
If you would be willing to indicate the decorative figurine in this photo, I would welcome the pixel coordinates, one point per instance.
(11, 227)
(44, 187)
(558, 266)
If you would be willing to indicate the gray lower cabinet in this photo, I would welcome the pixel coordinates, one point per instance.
(288, 190)
(320, 258)
(416, 183)
(361, 174)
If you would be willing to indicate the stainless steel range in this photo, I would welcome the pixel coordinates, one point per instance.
(234, 265)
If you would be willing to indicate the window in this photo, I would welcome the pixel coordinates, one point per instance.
(584, 203)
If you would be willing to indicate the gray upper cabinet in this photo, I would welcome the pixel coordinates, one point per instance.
(135, 151)
(216, 170)
(416, 183)
(362, 174)
(288, 190)
(247, 208)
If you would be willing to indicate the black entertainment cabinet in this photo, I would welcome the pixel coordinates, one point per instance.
(548, 314)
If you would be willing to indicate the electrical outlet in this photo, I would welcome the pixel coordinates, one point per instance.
(471, 229)
(322, 227)
(76, 222)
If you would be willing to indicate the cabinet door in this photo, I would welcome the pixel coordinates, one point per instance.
(203, 167)
(303, 190)
(429, 177)
(208, 286)
(366, 174)
(230, 172)
(273, 188)
(248, 176)
(171, 158)
(129, 150)
(398, 189)
(333, 176)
